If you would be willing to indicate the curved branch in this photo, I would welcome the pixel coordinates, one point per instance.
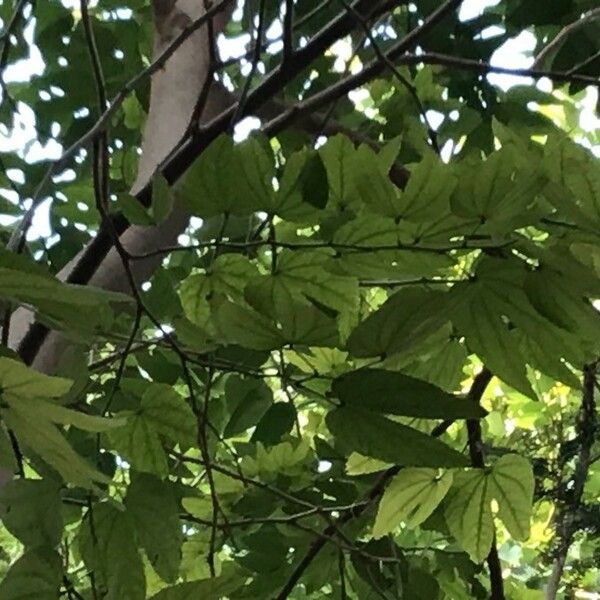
(19, 234)
(554, 46)
(97, 263)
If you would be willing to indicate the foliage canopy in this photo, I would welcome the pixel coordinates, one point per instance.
(367, 370)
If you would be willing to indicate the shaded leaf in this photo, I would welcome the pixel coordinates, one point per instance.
(375, 436)
(110, 550)
(155, 513)
(393, 393)
(247, 401)
(31, 511)
(37, 574)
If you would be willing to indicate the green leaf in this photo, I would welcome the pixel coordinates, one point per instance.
(169, 414)
(70, 306)
(139, 443)
(479, 319)
(393, 393)
(547, 362)
(407, 319)
(247, 401)
(307, 325)
(110, 550)
(31, 511)
(573, 169)
(468, 513)
(246, 327)
(512, 486)
(135, 212)
(313, 181)
(19, 381)
(410, 497)
(133, 112)
(442, 365)
(375, 436)
(357, 464)
(155, 512)
(208, 188)
(275, 423)
(254, 159)
(8, 460)
(496, 194)
(336, 155)
(162, 413)
(303, 274)
(372, 183)
(303, 186)
(366, 231)
(388, 154)
(36, 575)
(45, 440)
(428, 191)
(227, 277)
(208, 589)
(162, 199)
(60, 415)
(565, 306)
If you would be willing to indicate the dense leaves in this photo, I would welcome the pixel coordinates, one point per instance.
(367, 368)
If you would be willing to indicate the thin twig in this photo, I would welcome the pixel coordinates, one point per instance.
(396, 73)
(20, 232)
(468, 64)
(584, 63)
(260, 26)
(374, 68)
(298, 246)
(398, 54)
(563, 34)
(566, 528)
(371, 496)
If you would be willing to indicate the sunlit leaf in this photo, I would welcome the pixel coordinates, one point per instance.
(468, 513)
(410, 498)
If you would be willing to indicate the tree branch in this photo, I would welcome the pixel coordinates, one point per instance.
(478, 461)
(476, 392)
(554, 46)
(85, 266)
(467, 64)
(586, 427)
(20, 232)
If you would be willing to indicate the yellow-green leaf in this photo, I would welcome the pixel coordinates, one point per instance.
(410, 498)
(468, 513)
(512, 486)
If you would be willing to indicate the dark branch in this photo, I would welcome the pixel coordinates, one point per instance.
(478, 461)
(566, 526)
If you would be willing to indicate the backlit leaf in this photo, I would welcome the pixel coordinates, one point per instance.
(410, 498)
